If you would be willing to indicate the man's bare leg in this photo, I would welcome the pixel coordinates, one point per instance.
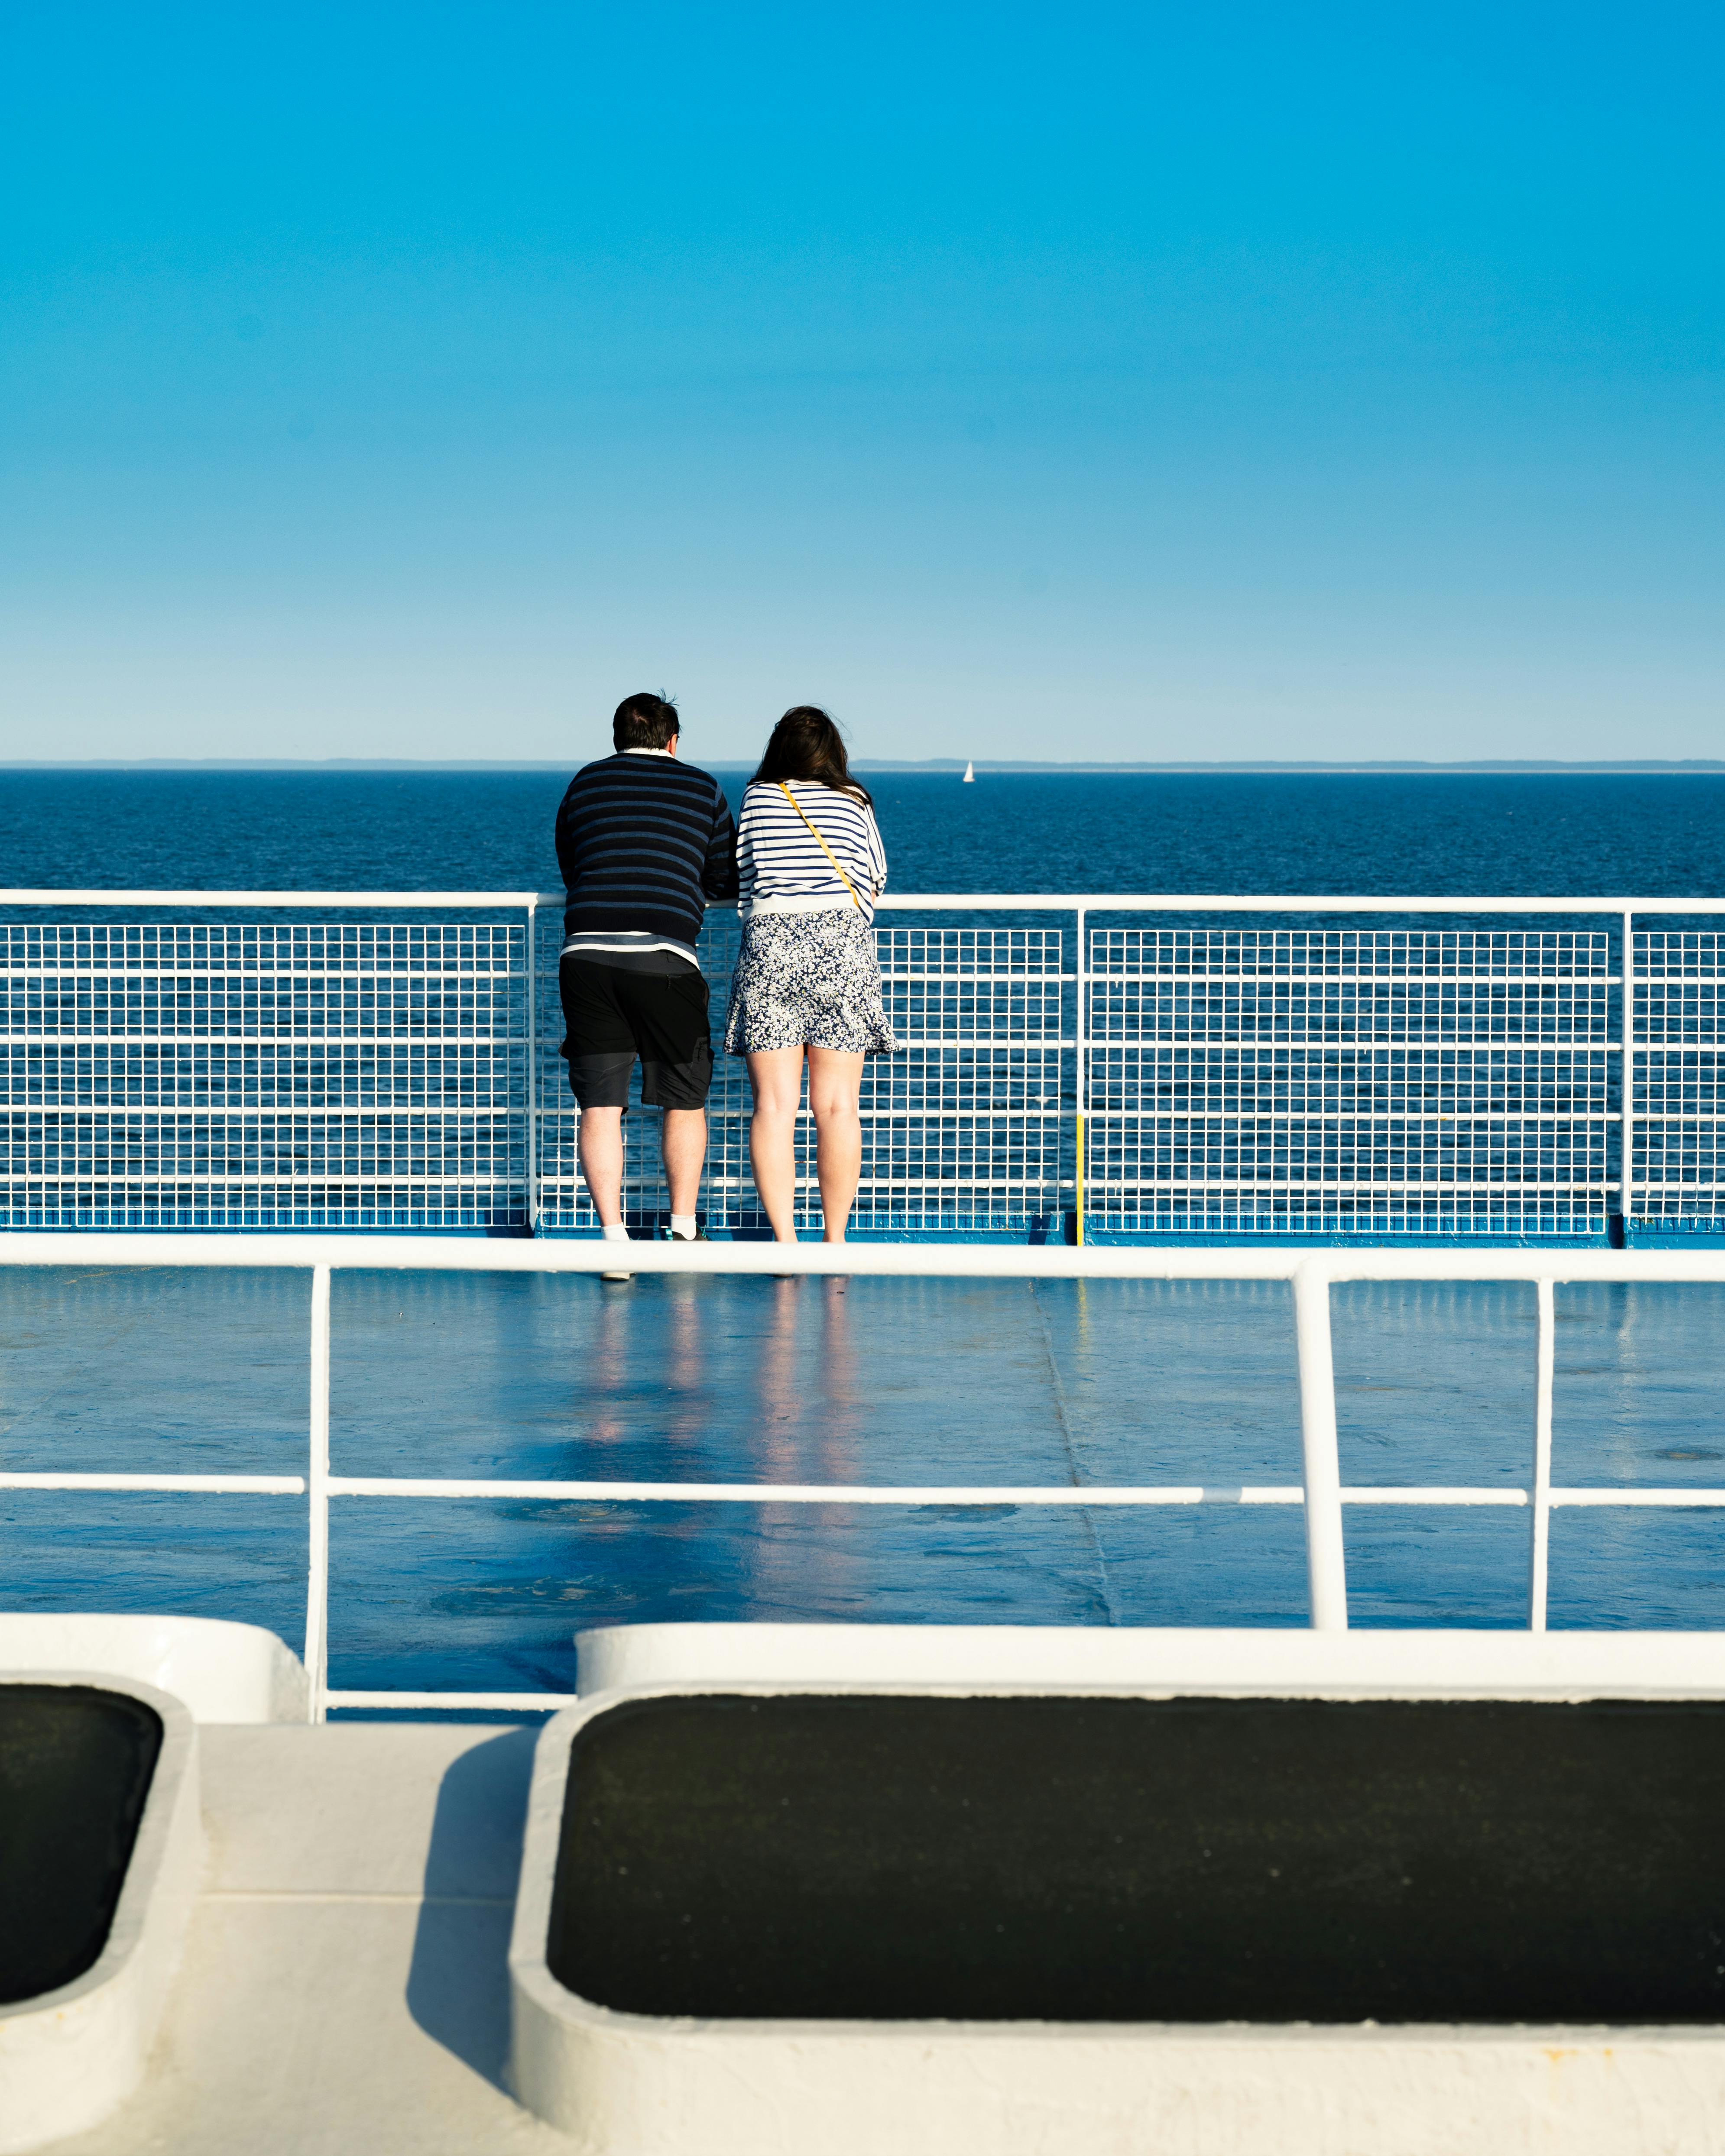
(684, 1139)
(600, 1138)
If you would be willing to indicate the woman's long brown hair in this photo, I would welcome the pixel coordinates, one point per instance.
(806, 744)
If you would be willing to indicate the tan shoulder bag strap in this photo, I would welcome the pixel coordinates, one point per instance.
(822, 844)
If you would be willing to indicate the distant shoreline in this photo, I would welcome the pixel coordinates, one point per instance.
(1647, 767)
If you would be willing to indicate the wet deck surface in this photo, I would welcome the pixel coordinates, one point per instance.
(884, 1381)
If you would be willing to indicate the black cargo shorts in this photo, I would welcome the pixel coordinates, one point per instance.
(611, 1015)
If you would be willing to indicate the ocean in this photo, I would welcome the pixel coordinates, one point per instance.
(1534, 834)
(865, 1381)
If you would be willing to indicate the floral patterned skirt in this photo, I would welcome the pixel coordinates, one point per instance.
(808, 980)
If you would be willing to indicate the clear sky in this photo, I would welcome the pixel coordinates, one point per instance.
(1141, 381)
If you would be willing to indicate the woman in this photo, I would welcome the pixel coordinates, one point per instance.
(809, 864)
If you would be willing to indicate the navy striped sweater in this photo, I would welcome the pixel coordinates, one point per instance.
(643, 841)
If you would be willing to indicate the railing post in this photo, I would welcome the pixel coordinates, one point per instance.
(1082, 1076)
(1539, 1546)
(1325, 1566)
(532, 1066)
(317, 1490)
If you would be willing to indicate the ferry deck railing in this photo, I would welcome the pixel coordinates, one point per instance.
(1312, 1274)
(1138, 1065)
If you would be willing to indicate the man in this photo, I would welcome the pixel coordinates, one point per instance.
(644, 840)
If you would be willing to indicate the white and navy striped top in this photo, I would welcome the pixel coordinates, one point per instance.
(780, 866)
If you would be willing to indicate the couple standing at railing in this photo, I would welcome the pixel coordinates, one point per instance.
(644, 840)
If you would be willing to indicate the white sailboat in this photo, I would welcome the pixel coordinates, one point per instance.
(970, 775)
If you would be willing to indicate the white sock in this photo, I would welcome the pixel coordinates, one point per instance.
(683, 1227)
(619, 1233)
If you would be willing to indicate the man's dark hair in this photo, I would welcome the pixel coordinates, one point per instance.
(644, 721)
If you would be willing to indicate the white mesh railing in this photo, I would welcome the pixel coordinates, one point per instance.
(272, 1074)
(1350, 1080)
(969, 1129)
(1677, 1102)
(389, 1060)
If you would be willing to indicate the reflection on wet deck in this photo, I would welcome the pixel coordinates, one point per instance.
(863, 1380)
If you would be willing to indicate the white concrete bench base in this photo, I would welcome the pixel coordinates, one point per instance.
(68, 2058)
(222, 1672)
(635, 2085)
(629, 2088)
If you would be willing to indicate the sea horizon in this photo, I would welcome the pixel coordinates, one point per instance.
(1644, 766)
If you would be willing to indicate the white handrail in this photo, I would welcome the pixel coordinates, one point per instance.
(297, 1250)
(1321, 1494)
(479, 901)
(932, 901)
(211, 1485)
(1278, 903)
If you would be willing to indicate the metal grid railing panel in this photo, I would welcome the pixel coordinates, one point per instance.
(1343, 1080)
(264, 1074)
(1678, 1077)
(968, 1129)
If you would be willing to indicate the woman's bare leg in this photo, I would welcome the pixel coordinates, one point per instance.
(776, 1079)
(834, 1090)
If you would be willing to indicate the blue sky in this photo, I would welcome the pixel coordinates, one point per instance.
(1150, 382)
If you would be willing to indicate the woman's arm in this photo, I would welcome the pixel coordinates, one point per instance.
(877, 853)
